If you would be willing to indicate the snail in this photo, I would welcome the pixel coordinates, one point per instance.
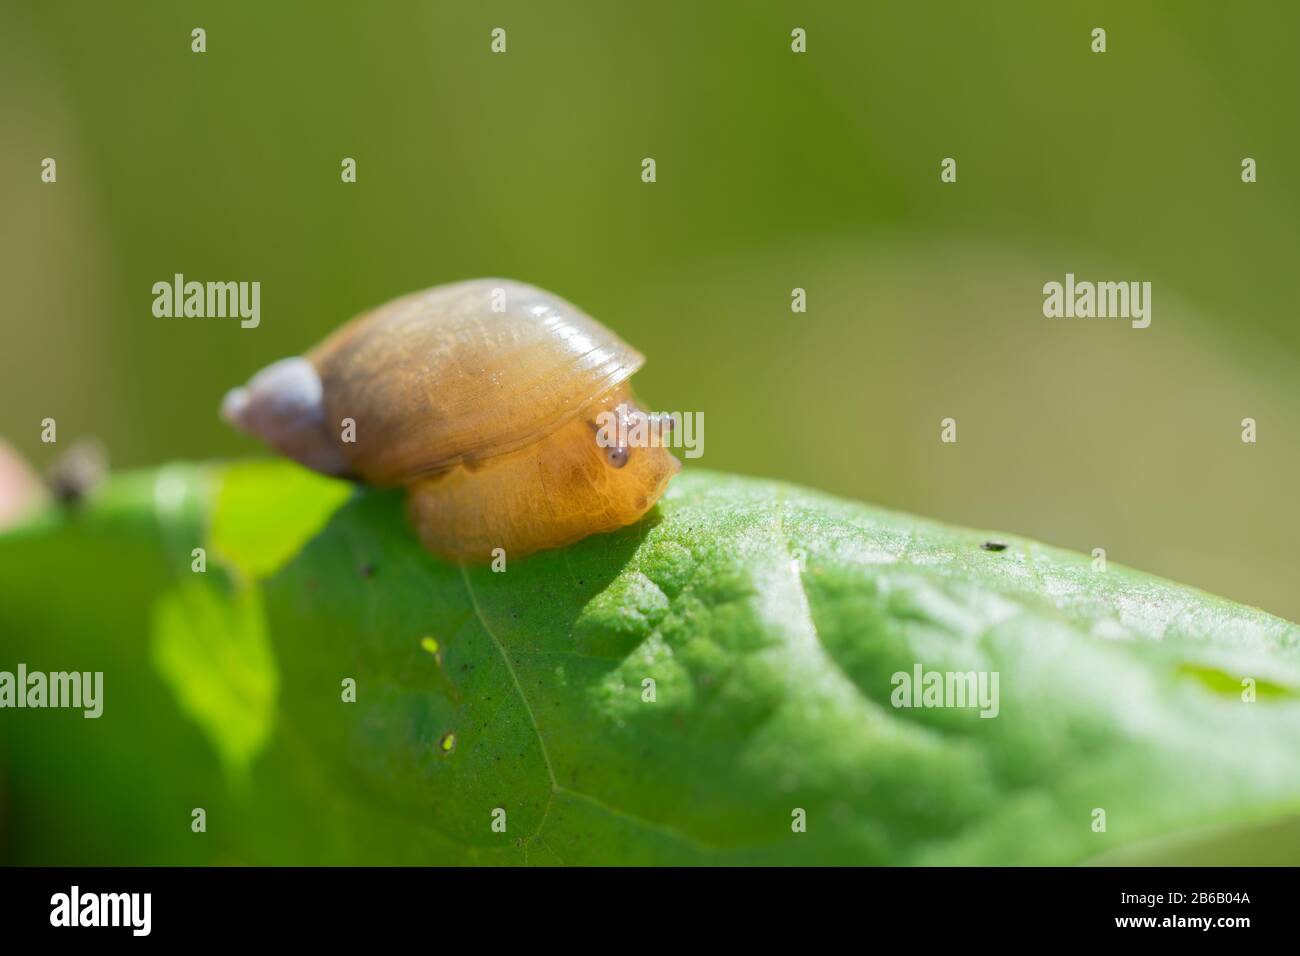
(481, 399)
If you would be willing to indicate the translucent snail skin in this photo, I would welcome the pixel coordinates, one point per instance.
(480, 398)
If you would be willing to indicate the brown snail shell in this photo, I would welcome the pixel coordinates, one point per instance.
(438, 377)
(481, 398)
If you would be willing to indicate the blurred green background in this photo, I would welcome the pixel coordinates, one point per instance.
(775, 170)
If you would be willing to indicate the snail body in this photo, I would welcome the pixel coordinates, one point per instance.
(480, 398)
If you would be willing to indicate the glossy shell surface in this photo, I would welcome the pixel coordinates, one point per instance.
(440, 377)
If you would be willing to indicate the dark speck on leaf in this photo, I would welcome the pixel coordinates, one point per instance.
(993, 546)
(367, 570)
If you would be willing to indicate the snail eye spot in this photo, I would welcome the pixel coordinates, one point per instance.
(616, 457)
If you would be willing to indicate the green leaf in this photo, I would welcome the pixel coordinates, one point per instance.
(773, 622)
(210, 646)
(266, 510)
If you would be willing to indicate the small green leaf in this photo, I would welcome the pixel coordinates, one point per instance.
(209, 644)
(267, 510)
